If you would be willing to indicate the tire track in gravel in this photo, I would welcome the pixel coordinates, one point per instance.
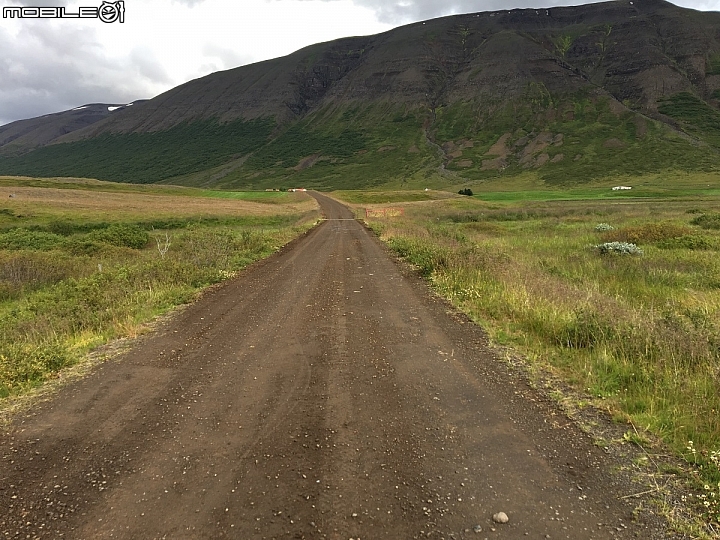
(323, 393)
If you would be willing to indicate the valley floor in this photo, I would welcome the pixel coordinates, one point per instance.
(324, 393)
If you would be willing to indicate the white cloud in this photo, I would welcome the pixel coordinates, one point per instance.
(190, 3)
(713, 5)
(398, 12)
(229, 58)
(405, 11)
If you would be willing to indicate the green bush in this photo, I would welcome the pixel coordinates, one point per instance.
(81, 246)
(692, 242)
(16, 239)
(23, 365)
(24, 271)
(121, 235)
(708, 221)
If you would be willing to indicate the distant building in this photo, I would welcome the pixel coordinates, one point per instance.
(621, 188)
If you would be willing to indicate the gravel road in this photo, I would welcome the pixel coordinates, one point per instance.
(324, 393)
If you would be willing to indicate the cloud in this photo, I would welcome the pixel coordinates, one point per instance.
(713, 5)
(48, 68)
(402, 11)
(41, 3)
(145, 63)
(405, 11)
(228, 57)
(189, 3)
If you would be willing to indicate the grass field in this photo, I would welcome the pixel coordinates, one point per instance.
(13, 183)
(530, 187)
(83, 262)
(389, 197)
(636, 334)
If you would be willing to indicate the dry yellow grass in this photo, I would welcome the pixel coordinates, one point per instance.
(86, 204)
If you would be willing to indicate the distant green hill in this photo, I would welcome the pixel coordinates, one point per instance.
(570, 95)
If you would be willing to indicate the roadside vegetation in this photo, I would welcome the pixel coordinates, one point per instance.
(80, 266)
(619, 298)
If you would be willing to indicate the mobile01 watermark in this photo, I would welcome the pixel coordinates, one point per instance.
(108, 12)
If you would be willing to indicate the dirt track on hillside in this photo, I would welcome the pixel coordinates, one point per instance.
(321, 394)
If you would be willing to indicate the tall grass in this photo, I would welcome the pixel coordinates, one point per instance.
(640, 334)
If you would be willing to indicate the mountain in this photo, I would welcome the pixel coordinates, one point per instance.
(569, 94)
(23, 135)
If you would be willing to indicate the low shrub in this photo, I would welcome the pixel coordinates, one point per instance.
(25, 365)
(81, 246)
(619, 247)
(604, 227)
(708, 221)
(692, 242)
(23, 271)
(16, 239)
(647, 233)
(121, 235)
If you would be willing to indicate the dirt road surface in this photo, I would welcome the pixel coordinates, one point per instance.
(321, 394)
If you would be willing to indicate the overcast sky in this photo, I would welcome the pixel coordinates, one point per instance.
(50, 65)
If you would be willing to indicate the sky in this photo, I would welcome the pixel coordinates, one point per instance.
(54, 64)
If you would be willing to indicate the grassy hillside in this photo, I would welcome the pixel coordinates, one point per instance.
(143, 158)
(563, 140)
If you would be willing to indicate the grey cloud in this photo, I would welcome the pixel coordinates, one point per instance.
(228, 57)
(49, 68)
(395, 12)
(404, 11)
(145, 64)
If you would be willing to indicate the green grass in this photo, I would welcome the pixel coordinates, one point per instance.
(380, 197)
(713, 64)
(638, 334)
(698, 117)
(594, 194)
